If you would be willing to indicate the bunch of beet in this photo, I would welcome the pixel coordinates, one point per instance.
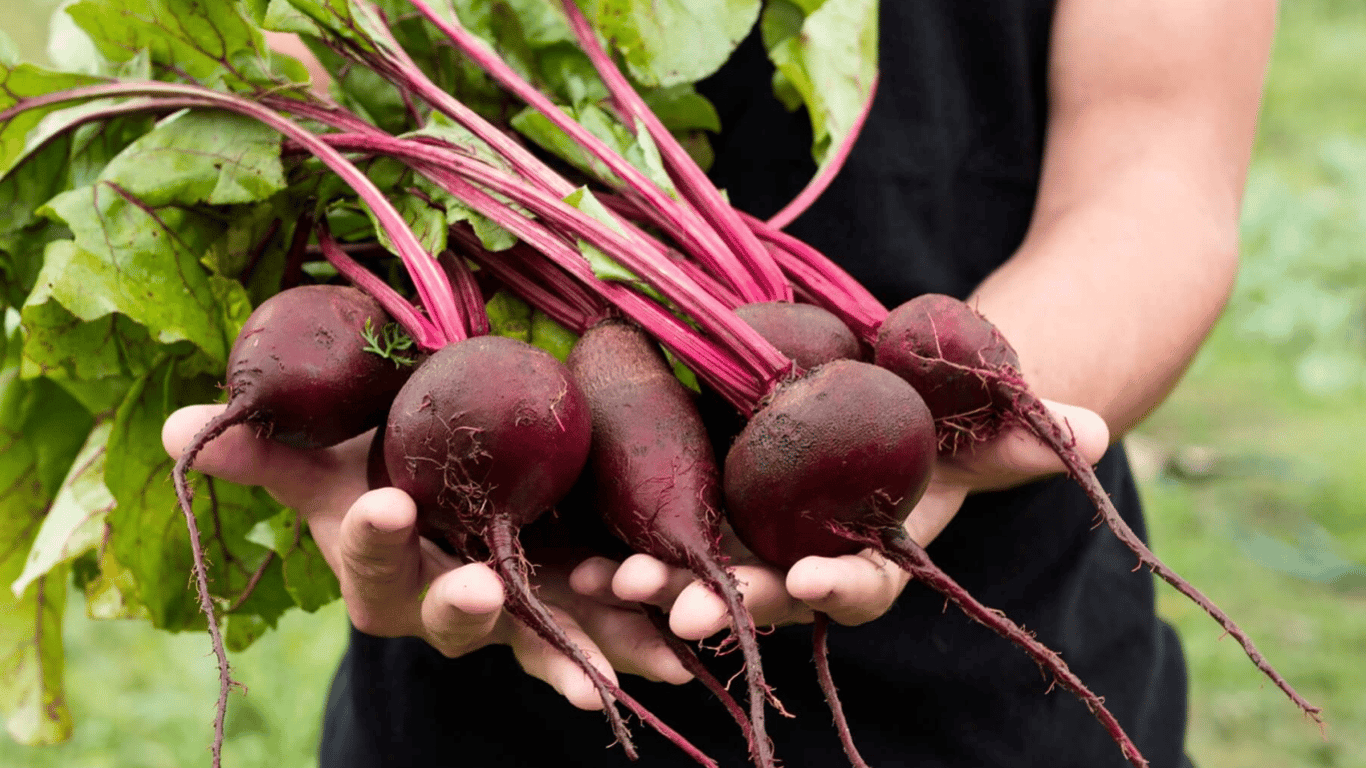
(487, 433)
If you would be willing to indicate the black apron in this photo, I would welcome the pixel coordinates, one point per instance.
(937, 193)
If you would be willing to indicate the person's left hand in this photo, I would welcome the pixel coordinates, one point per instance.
(852, 589)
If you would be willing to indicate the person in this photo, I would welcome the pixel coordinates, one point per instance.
(1074, 169)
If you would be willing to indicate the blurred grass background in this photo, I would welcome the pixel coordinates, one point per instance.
(1252, 473)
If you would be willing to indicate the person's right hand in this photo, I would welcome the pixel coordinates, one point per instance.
(396, 583)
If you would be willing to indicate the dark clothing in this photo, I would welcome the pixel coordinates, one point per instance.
(937, 193)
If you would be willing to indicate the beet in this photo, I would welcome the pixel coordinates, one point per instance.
(806, 334)
(300, 373)
(486, 436)
(655, 483)
(971, 380)
(833, 465)
(846, 443)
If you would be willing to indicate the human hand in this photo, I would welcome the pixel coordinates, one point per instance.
(396, 583)
(852, 589)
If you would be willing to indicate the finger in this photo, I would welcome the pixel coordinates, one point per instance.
(310, 481)
(853, 589)
(592, 578)
(461, 610)
(542, 661)
(643, 579)
(934, 510)
(378, 560)
(633, 645)
(1016, 455)
(699, 613)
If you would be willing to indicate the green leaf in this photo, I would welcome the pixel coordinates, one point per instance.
(63, 154)
(141, 262)
(211, 42)
(681, 108)
(509, 316)
(551, 336)
(75, 520)
(828, 61)
(32, 698)
(112, 593)
(148, 530)
(201, 157)
(20, 82)
(667, 42)
(307, 576)
(70, 49)
(38, 424)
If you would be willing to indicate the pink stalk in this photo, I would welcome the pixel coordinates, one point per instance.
(739, 385)
(696, 235)
(543, 285)
(834, 289)
(766, 362)
(693, 183)
(435, 292)
(424, 333)
(827, 173)
(467, 290)
(629, 211)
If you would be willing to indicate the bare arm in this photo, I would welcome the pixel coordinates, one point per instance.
(1134, 243)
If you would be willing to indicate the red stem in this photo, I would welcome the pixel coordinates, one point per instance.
(467, 290)
(688, 658)
(1042, 425)
(828, 171)
(906, 554)
(432, 287)
(765, 281)
(424, 333)
(697, 236)
(827, 682)
(522, 603)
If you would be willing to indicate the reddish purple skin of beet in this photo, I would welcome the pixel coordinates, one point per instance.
(654, 471)
(955, 361)
(806, 334)
(300, 368)
(848, 442)
(488, 425)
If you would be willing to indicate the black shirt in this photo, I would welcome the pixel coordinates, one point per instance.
(937, 193)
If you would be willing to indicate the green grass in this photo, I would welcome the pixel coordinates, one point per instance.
(1271, 533)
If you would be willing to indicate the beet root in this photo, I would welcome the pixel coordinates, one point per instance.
(655, 484)
(488, 434)
(848, 442)
(300, 372)
(970, 378)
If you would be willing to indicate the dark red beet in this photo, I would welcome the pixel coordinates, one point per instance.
(488, 434)
(300, 373)
(655, 480)
(806, 334)
(300, 370)
(820, 472)
(967, 404)
(970, 378)
(848, 442)
(811, 337)
(490, 425)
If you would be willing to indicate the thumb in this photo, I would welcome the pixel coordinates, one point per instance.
(378, 560)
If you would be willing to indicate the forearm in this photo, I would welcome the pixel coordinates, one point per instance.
(1132, 251)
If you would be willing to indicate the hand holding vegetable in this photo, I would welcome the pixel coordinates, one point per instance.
(396, 583)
